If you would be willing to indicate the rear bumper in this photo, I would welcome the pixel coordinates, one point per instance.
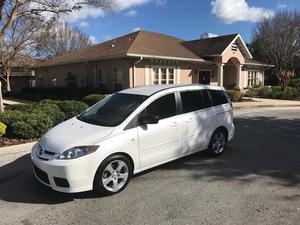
(67, 176)
(231, 132)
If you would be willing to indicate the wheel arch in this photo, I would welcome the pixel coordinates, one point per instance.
(125, 155)
(223, 129)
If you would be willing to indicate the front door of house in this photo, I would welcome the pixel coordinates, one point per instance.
(204, 77)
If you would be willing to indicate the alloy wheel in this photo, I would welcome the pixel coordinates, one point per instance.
(219, 142)
(115, 175)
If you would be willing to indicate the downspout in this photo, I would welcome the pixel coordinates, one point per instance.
(133, 72)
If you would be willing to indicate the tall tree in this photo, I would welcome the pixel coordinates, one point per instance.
(10, 10)
(61, 39)
(277, 40)
(19, 42)
(39, 10)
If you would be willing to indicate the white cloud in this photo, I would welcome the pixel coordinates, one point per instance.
(84, 24)
(91, 12)
(126, 4)
(131, 13)
(93, 39)
(230, 11)
(136, 29)
(208, 35)
(281, 5)
(84, 13)
(161, 2)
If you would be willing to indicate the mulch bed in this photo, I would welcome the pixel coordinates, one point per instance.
(8, 141)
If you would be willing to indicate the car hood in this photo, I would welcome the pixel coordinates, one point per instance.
(72, 133)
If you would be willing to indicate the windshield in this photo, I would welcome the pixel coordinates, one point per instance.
(112, 110)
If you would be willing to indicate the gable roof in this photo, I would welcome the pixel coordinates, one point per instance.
(210, 46)
(140, 43)
(156, 44)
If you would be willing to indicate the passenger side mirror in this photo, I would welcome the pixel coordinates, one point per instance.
(144, 120)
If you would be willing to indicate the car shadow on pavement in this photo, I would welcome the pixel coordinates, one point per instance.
(18, 184)
(262, 146)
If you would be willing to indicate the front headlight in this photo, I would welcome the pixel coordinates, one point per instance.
(77, 152)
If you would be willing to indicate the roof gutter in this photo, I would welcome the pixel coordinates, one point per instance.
(165, 57)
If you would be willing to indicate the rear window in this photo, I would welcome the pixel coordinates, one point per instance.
(218, 97)
(192, 101)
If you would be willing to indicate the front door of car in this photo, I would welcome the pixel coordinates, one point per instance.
(161, 141)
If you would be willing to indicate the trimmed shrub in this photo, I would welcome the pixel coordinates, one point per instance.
(20, 107)
(234, 95)
(51, 110)
(92, 99)
(2, 129)
(273, 92)
(38, 94)
(31, 125)
(26, 125)
(72, 108)
(295, 83)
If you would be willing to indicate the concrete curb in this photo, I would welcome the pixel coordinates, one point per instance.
(15, 149)
(263, 106)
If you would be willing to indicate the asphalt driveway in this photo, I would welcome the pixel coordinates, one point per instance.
(257, 181)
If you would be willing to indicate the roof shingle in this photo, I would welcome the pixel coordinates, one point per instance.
(210, 46)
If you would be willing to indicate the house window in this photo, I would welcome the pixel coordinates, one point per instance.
(252, 78)
(156, 76)
(118, 79)
(100, 78)
(163, 75)
(171, 76)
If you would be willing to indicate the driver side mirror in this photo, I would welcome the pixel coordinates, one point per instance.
(144, 120)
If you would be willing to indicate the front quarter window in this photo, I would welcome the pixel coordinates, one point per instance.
(112, 110)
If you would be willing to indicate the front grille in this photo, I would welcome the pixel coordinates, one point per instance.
(41, 174)
(49, 153)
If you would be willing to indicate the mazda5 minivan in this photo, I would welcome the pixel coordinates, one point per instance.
(131, 131)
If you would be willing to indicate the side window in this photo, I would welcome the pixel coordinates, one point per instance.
(163, 107)
(191, 101)
(218, 97)
(206, 99)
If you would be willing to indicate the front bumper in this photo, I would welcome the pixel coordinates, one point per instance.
(67, 176)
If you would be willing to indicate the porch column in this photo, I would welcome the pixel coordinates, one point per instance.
(238, 75)
(220, 74)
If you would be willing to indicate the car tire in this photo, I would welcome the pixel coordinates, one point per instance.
(218, 143)
(113, 175)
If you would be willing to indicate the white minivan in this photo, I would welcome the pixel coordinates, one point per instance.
(131, 131)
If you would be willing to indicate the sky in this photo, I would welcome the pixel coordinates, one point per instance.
(185, 19)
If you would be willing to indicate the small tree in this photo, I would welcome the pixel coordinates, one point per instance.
(277, 40)
(61, 39)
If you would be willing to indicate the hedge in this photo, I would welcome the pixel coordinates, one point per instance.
(38, 94)
(72, 108)
(92, 99)
(33, 120)
(26, 125)
(274, 92)
(2, 129)
(234, 95)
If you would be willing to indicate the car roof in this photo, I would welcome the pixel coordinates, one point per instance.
(152, 89)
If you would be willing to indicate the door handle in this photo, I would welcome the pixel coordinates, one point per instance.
(174, 124)
(189, 120)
